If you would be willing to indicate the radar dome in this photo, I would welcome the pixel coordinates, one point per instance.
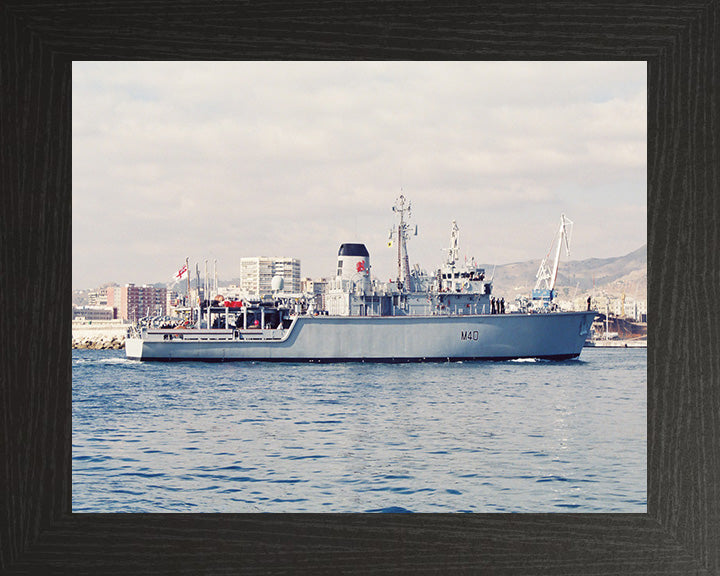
(277, 283)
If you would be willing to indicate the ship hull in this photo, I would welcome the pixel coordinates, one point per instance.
(555, 336)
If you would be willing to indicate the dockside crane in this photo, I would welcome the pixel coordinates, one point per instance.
(544, 290)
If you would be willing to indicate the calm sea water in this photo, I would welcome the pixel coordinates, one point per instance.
(522, 436)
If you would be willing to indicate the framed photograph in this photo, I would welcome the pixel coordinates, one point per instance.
(44, 531)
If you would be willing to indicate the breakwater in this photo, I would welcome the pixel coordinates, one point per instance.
(94, 335)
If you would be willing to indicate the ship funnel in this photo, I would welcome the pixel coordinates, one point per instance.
(354, 263)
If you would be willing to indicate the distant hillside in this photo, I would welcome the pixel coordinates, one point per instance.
(612, 276)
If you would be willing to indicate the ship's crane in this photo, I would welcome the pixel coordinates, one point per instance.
(546, 277)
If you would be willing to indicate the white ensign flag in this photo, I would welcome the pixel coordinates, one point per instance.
(181, 273)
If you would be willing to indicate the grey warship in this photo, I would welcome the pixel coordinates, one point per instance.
(450, 315)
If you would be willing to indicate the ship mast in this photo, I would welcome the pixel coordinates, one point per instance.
(453, 251)
(187, 301)
(402, 233)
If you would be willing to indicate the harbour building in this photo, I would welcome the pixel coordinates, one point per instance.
(256, 274)
(133, 302)
(98, 297)
(315, 289)
(173, 300)
(93, 313)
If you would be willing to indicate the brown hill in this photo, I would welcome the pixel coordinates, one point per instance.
(612, 276)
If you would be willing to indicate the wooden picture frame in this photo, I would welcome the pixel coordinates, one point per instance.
(680, 534)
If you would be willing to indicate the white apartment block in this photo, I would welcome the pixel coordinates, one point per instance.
(631, 308)
(315, 289)
(173, 299)
(98, 297)
(231, 292)
(256, 274)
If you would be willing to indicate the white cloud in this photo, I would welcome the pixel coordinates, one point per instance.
(290, 159)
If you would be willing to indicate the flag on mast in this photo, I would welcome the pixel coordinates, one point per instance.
(180, 274)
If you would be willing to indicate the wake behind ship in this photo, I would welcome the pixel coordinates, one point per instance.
(450, 315)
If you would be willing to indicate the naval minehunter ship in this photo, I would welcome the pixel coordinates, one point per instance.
(449, 315)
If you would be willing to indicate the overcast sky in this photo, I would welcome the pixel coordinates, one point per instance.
(225, 160)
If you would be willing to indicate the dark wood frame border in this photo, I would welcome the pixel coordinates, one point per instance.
(680, 534)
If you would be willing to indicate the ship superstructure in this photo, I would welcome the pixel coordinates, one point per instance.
(454, 288)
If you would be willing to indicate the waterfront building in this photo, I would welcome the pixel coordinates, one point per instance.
(636, 309)
(628, 308)
(98, 297)
(315, 289)
(133, 302)
(93, 313)
(256, 274)
(173, 299)
(231, 292)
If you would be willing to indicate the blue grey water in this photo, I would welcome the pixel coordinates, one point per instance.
(522, 436)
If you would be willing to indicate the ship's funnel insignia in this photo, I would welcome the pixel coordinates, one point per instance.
(353, 262)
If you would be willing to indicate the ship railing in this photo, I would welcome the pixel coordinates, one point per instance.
(134, 330)
(278, 334)
(193, 334)
(256, 335)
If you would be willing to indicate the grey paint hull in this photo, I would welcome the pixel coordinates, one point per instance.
(387, 339)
